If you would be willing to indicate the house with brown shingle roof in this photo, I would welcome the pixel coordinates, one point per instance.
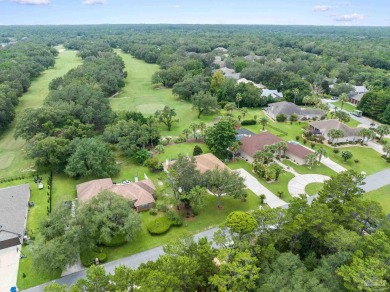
(140, 193)
(207, 162)
(251, 144)
(323, 128)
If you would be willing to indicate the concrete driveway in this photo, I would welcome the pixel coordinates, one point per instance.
(297, 185)
(9, 265)
(253, 184)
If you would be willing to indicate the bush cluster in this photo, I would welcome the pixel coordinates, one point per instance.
(248, 122)
(88, 258)
(116, 241)
(159, 225)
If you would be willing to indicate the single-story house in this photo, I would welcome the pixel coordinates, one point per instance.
(13, 215)
(273, 93)
(208, 161)
(251, 144)
(221, 50)
(219, 62)
(242, 132)
(141, 193)
(323, 128)
(230, 73)
(246, 81)
(289, 108)
(356, 96)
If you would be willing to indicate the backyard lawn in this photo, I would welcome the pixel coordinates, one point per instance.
(12, 159)
(370, 161)
(172, 151)
(382, 196)
(139, 95)
(304, 169)
(210, 216)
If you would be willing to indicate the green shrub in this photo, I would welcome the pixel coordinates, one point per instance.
(281, 118)
(153, 212)
(160, 206)
(174, 218)
(115, 241)
(335, 150)
(159, 225)
(88, 258)
(197, 150)
(248, 122)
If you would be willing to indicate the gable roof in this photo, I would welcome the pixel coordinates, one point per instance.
(298, 150)
(273, 93)
(360, 89)
(289, 108)
(207, 162)
(230, 73)
(246, 81)
(13, 212)
(252, 144)
(326, 125)
(139, 192)
(356, 96)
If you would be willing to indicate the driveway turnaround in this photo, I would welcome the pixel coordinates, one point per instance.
(253, 184)
(297, 185)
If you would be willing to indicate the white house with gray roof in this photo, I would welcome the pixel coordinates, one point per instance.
(13, 214)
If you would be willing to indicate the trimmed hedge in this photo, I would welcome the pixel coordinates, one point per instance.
(159, 225)
(88, 258)
(248, 122)
(116, 241)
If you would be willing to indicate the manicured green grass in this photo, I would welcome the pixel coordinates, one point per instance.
(12, 158)
(313, 188)
(172, 151)
(292, 130)
(274, 187)
(304, 169)
(210, 216)
(370, 161)
(382, 196)
(347, 106)
(140, 95)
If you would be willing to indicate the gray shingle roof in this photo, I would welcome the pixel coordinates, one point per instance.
(289, 108)
(13, 211)
(326, 125)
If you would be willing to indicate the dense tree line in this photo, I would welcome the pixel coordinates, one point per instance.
(61, 134)
(19, 64)
(340, 242)
(376, 104)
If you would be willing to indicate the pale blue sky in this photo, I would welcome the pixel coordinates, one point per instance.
(307, 12)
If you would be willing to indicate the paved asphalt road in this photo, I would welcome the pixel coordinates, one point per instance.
(373, 182)
(132, 261)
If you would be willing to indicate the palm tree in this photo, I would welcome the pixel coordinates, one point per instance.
(311, 159)
(343, 98)
(282, 147)
(335, 134)
(367, 133)
(194, 127)
(238, 99)
(263, 121)
(383, 130)
(186, 133)
(271, 148)
(239, 118)
(386, 149)
(255, 118)
(321, 152)
(244, 111)
(234, 148)
(262, 198)
(229, 107)
(202, 127)
(295, 92)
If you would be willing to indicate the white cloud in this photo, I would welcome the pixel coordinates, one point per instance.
(93, 2)
(349, 17)
(322, 8)
(32, 2)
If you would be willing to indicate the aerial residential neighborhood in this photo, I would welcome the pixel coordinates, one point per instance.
(194, 157)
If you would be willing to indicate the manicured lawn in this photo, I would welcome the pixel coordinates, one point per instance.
(313, 188)
(173, 150)
(382, 196)
(139, 95)
(370, 161)
(274, 187)
(347, 106)
(209, 217)
(12, 159)
(292, 130)
(304, 169)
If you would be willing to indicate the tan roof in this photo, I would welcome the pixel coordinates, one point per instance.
(326, 125)
(298, 150)
(139, 192)
(252, 144)
(207, 162)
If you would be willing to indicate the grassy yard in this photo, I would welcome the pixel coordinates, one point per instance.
(209, 217)
(304, 169)
(172, 151)
(274, 187)
(382, 196)
(313, 188)
(139, 95)
(347, 106)
(370, 161)
(12, 159)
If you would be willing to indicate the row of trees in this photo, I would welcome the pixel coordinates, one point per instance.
(61, 134)
(19, 64)
(375, 104)
(338, 243)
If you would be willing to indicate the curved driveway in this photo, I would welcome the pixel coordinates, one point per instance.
(297, 185)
